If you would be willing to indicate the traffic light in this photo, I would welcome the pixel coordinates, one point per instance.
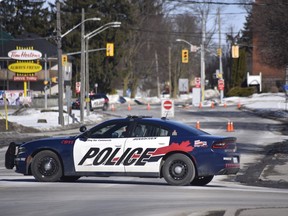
(54, 79)
(219, 52)
(110, 49)
(235, 51)
(185, 57)
(64, 59)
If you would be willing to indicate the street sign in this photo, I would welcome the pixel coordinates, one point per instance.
(78, 86)
(197, 82)
(167, 108)
(221, 84)
(183, 85)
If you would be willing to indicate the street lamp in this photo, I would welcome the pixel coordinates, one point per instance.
(89, 19)
(86, 38)
(59, 54)
(192, 47)
(202, 65)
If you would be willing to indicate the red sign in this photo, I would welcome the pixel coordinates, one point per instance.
(25, 78)
(221, 84)
(197, 82)
(167, 104)
(77, 87)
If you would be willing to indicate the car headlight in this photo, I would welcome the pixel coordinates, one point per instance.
(21, 150)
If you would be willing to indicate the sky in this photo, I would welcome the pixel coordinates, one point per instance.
(231, 15)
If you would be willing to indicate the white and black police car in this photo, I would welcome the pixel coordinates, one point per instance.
(133, 146)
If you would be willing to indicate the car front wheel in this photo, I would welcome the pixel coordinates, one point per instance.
(178, 169)
(46, 167)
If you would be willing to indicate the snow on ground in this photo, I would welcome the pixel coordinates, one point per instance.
(35, 117)
(274, 103)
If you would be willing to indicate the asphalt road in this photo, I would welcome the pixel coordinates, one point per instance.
(136, 196)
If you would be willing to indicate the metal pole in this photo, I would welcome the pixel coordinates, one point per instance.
(203, 57)
(87, 77)
(157, 73)
(46, 78)
(220, 57)
(60, 74)
(82, 74)
(170, 74)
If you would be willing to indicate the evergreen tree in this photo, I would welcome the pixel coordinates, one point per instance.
(270, 20)
(20, 16)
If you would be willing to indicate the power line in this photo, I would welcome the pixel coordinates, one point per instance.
(229, 3)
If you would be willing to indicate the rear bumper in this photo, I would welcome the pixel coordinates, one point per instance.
(229, 169)
(10, 156)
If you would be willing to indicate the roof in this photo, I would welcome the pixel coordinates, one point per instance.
(27, 40)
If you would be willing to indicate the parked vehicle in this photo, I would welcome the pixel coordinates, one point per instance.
(97, 101)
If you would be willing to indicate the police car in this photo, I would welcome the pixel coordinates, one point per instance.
(133, 146)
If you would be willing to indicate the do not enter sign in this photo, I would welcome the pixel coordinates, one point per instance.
(167, 108)
(167, 104)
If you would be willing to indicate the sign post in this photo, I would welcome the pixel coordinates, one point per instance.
(196, 96)
(25, 68)
(167, 108)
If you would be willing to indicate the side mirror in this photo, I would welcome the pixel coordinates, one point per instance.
(82, 129)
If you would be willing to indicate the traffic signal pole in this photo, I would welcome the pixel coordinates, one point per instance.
(82, 75)
(60, 73)
(220, 57)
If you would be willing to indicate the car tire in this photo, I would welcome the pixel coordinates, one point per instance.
(46, 167)
(178, 169)
(201, 181)
(69, 178)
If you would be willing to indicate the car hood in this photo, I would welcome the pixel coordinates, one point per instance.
(50, 141)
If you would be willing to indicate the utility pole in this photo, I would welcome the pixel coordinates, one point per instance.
(170, 76)
(204, 18)
(157, 73)
(220, 57)
(87, 87)
(82, 73)
(60, 73)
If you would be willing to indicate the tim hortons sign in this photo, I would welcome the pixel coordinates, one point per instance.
(24, 55)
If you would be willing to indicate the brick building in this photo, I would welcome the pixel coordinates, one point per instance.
(271, 76)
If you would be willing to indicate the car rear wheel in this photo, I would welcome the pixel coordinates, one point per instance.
(201, 181)
(179, 170)
(46, 167)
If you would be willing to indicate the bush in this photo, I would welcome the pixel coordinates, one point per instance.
(241, 92)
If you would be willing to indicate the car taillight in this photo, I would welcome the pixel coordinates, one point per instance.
(228, 145)
(219, 145)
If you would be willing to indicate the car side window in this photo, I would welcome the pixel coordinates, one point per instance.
(110, 131)
(147, 130)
